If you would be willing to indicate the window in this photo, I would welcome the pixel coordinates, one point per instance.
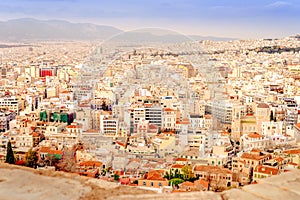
(160, 184)
(144, 183)
(152, 184)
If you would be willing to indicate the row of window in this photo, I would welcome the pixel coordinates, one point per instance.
(152, 184)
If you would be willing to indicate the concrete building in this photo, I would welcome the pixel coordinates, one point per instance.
(11, 103)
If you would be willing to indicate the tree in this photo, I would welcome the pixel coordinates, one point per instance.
(31, 158)
(104, 106)
(116, 177)
(187, 172)
(67, 164)
(10, 157)
(175, 181)
(51, 160)
(271, 116)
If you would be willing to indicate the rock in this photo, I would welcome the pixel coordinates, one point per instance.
(235, 194)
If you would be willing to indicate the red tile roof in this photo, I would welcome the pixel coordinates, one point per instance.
(254, 135)
(168, 110)
(266, 170)
(262, 105)
(187, 184)
(74, 126)
(212, 169)
(252, 156)
(58, 152)
(181, 159)
(177, 166)
(202, 182)
(44, 149)
(91, 163)
(292, 163)
(292, 151)
(279, 159)
(156, 177)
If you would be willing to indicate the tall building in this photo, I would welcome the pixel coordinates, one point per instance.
(109, 126)
(221, 110)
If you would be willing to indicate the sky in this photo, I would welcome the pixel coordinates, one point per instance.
(222, 18)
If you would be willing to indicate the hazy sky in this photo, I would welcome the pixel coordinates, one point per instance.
(227, 18)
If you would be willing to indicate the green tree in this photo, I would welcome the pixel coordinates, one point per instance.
(175, 181)
(116, 177)
(187, 173)
(271, 116)
(10, 157)
(31, 158)
(177, 174)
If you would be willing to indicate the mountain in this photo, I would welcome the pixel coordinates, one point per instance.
(28, 29)
(198, 37)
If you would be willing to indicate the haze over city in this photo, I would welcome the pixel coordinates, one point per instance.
(221, 18)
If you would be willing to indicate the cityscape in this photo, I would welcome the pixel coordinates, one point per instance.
(91, 111)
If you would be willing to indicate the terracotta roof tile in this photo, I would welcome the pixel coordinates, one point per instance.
(177, 166)
(266, 170)
(292, 151)
(91, 163)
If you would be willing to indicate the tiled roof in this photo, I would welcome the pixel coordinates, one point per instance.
(187, 184)
(202, 182)
(279, 159)
(91, 163)
(253, 156)
(292, 151)
(212, 169)
(57, 152)
(74, 126)
(177, 166)
(262, 105)
(266, 170)
(156, 177)
(44, 149)
(254, 135)
(180, 159)
(168, 110)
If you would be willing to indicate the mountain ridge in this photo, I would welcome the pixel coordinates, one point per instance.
(30, 29)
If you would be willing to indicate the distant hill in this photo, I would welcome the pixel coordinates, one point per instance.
(198, 37)
(28, 29)
(33, 29)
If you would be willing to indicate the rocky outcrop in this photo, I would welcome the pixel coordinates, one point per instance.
(25, 183)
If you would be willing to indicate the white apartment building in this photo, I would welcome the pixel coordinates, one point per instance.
(11, 103)
(254, 140)
(109, 126)
(197, 122)
(272, 128)
(169, 118)
(24, 140)
(221, 110)
(154, 115)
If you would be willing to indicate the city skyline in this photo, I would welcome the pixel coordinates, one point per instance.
(238, 19)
